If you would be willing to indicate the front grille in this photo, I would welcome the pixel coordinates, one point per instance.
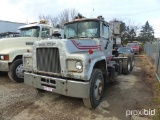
(48, 60)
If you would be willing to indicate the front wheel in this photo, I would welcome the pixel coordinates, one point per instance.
(96, 89)
(16, 71)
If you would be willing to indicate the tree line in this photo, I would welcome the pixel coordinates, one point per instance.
(129, 31)
(58, 21)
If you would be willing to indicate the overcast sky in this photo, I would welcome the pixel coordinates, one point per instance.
(135, 11)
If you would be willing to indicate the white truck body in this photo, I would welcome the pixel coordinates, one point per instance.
(12, 49)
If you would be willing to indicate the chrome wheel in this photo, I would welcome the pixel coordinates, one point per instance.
(98, 89)
(19, 71)
(132, 63)
(129, 66)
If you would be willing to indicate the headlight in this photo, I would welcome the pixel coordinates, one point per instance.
(2, 57)
(79, 65)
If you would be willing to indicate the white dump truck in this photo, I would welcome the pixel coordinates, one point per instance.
(80, 64)
(12, 49)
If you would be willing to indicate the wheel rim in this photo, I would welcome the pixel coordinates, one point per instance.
(129, 66)
(98, 89)
(19, 71)
(132, 63)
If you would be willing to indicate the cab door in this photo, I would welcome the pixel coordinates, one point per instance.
(106, 42)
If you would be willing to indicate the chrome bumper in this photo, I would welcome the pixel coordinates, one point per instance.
(58, 85)
(4, 66)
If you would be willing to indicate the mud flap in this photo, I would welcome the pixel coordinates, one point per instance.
(114, 70)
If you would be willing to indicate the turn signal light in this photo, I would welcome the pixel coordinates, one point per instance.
(90, 51)
(6, 57)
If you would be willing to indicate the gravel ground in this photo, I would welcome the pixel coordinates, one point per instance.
(22, 102)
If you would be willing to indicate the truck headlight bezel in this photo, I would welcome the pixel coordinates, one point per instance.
(74, 65)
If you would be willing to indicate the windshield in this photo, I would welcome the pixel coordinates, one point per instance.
(132, 44)
(85, 29)
(30, 32)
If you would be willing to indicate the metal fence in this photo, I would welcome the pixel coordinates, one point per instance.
(153, 51)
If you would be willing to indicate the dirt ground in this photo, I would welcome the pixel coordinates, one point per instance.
(22, 102)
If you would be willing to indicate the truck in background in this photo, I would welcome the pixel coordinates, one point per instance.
(135, 47)
(12, 49)
(80, 64)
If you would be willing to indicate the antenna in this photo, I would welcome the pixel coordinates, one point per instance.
(92, 9)
(93, 5)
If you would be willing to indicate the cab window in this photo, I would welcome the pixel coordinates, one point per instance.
(45, 32)
(105, 32)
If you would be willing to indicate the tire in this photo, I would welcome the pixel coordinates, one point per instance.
(121, 64)
(132, 64)
(127, 66)
(16, 71)
(96, 89)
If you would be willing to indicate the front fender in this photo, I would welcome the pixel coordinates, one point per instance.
(94, 59)
(13, 52)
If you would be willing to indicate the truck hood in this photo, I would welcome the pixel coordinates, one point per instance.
(17, 42)
(70, 45)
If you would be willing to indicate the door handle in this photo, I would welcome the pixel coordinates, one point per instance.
(107, 45)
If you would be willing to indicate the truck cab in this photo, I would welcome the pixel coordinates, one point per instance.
(78, 65)
(12, 49)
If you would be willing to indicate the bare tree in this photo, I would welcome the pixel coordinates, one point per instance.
(133, 25)
(63, 17)
(54, 21)
(43, 17)
(50, 19)
(58, 21)
(66, 15)
(73, 13)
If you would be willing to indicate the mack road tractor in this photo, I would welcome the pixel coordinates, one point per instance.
(79, 65)
(12, 49)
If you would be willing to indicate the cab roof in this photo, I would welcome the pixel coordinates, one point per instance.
(84, 19)
(34, 25)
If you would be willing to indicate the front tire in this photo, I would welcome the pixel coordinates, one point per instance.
(96, 89)
(16, 71)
